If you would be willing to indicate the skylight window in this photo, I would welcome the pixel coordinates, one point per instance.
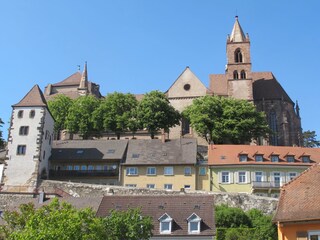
(110, 151)
(80, 151)
(135, 155)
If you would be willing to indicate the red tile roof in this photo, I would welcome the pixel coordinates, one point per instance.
(229, 154)
(178, 207)
(299, 199)
(34, 98)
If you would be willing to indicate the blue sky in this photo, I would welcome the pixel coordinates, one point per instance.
(142, 45)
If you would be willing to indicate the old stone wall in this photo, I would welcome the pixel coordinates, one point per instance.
(241, 200)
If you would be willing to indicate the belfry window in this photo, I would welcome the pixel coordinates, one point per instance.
(235, 75)
(238, 56)
(243, 74)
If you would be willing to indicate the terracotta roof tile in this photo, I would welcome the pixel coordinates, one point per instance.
(34, 98)
(178, 207)
(299, 199)
(231, 153)
(74, 79)
(218, 84)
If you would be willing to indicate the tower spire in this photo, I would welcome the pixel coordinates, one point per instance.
(237, 34)
(83, 86)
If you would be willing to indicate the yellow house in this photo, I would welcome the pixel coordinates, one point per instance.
(260, 170)
(159, 164)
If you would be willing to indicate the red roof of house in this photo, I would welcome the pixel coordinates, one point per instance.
(299, 199)
(229, 154)
(34, 98)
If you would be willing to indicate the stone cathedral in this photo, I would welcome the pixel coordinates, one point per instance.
(238, 81)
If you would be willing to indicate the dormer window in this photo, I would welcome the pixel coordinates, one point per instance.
(274, 158)
(290, 158)
(165, 224)
(259, 158)
(306, 159)
(238, 56)
(243, 157)
(194, 224)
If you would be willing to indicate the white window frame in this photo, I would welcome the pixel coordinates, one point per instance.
(168, 171)
(131, 171)
(165, 218)
(255, 176)
(151, 185)
(187, 171)
(131, 185)
(289, 177)
(168, 186)
(242, 177)
(149, 171)
(314, 232)
(225, 175)
(194, 219)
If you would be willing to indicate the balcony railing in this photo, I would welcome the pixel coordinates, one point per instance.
(83, 173)
(267, 184)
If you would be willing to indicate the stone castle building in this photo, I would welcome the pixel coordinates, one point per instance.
(238, 81)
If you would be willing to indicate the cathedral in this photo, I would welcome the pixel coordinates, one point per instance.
(238, 81)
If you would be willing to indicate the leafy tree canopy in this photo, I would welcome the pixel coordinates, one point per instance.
(80, 119)
(310, 140)
(116, 112)
(226, 120)
(59, 108)
(154, 112)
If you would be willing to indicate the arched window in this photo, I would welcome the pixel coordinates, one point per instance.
(185, 126)
(243, 74)
(238, 56)
(274, 127)
(235, 74)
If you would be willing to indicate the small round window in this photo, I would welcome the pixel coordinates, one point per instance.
(187, 87)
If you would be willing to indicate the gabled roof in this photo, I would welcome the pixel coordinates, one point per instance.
(178, 207)
(299, 199)
(224, 155)
(90, 150)
(34, 98)
(73, 79)
(156, 152)
(237, 34)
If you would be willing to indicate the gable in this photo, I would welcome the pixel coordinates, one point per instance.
(187, 85)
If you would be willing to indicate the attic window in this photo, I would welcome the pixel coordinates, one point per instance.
(243, 157)
(259, 158)
(165, 224)
(80, 151)
(290, 158)
(111, 151)
(194, 224)
(222, 157)
(274, 158)
(306, 159)
(187, 87)
(135, 155)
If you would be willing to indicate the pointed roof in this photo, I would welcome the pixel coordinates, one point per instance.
(84, 77)
(237, 34)
(74, 79)
(34, 98)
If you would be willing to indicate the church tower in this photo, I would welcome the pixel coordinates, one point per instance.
(83, 86)
(29, 143)
(238, 69)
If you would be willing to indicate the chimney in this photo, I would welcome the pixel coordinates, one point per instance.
(163, 136)
(42, 197)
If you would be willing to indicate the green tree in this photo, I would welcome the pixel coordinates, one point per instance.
(80, 119)
(129, 225)
(226, 120)
(229, 217)
(154, 112)
(59, 107)
(1, 138)
(116, 112)
(53, 221)
(310, 140)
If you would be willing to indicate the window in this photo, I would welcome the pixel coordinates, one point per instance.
(24, 130)
(187, 87)
(202, 171)
(306, 159)
(110, 151)
(90, 167)
(235, 75)
(242, 177)
(131, 185)
(21, 149)
(258, 176)
(32, 114)
(135, 155)
(225, 177)
(151, 171)
(83, 168)
(69, 167)
(273, 124)
(194, 223)
(168, 171)
(274, 158)
(238, 56)
(314, 235)
(47, 136)
(168, 186)
(243, 157)
(132, 171)
(187, 171)
(292, 175)
(277, 179)
(165, 224)
(20, 114)
(187, 187)
(290, 158)
(151, 185)
(243, 74)
(77, 167)
(99, 167)
(80, 151)
(259, 158)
